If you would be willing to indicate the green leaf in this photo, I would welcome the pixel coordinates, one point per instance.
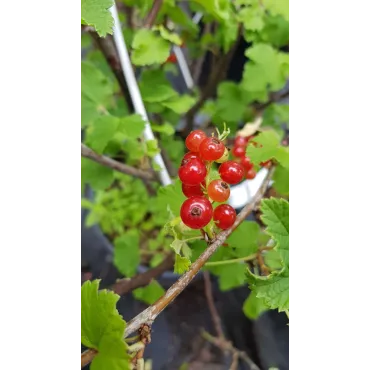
(273, 289)
(174, 38)
(102, 327)
(278, 7)
(270, 149)
(131, 126)
(171, 196)
(154, 86)
(253, 307)
(150, 293)
(103, 362)
(231, 276)
(245, 238)
(275, 215)
(149, 48)
(231, 102)
(275, 115)
(96, 13)
(126, 253)
(281, 180)
(96, 90)
(220, 9)
(177, 245)
(226, 34)
(180, 104)
(276, 31)
(156, 260)
(252, 16)
(97, 176)
(267, 68)
(273, 259)
(166, 128)
(152, 148)
(182, 264)
(101, 132)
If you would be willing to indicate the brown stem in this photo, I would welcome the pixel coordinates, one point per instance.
(148, 315)
(197, 69)
(211, 304)
(274, 98)
(108, 49)
(111, 163)
(126, 285)
(216, 76)
(87, 356)
(228, 347)
(150, 19)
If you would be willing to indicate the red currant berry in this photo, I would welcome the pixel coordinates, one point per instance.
(246, 163)
(250, 174)
(232, 172)
(194, 139)
(196, 212)
(192, 190)
(192, 171)
(219, 191)
(240, 141)
(224, 157)
(171, 59)
(224, 216)
(211, 149)
(266, 164)
(192, 155)
(239, 151)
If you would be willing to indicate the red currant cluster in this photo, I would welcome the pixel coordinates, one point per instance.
(196, 212)
(238, 151)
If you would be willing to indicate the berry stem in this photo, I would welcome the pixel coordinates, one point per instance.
(236, 260)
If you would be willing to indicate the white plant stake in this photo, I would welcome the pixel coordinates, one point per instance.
(135, 92)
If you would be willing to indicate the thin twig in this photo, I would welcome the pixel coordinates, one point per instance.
(108, 49)
(149, 315)
(150, 19)
(235, 260)
(87, 356)
(127, 285)
(227, 346)
(211, 304)
(111, 163)
(274, 98)
(198, 64)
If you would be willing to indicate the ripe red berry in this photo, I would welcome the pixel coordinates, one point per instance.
(194, 139)
(238, 151)
(250, 174)
(211, 149)
(232, 172)
(192, 155)
(192, 171)
(266, 164)
(219, 191)
(171, 59)
(224, 216)
(246, 163)
(196, 212)
(192, 190)
(240, 141)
